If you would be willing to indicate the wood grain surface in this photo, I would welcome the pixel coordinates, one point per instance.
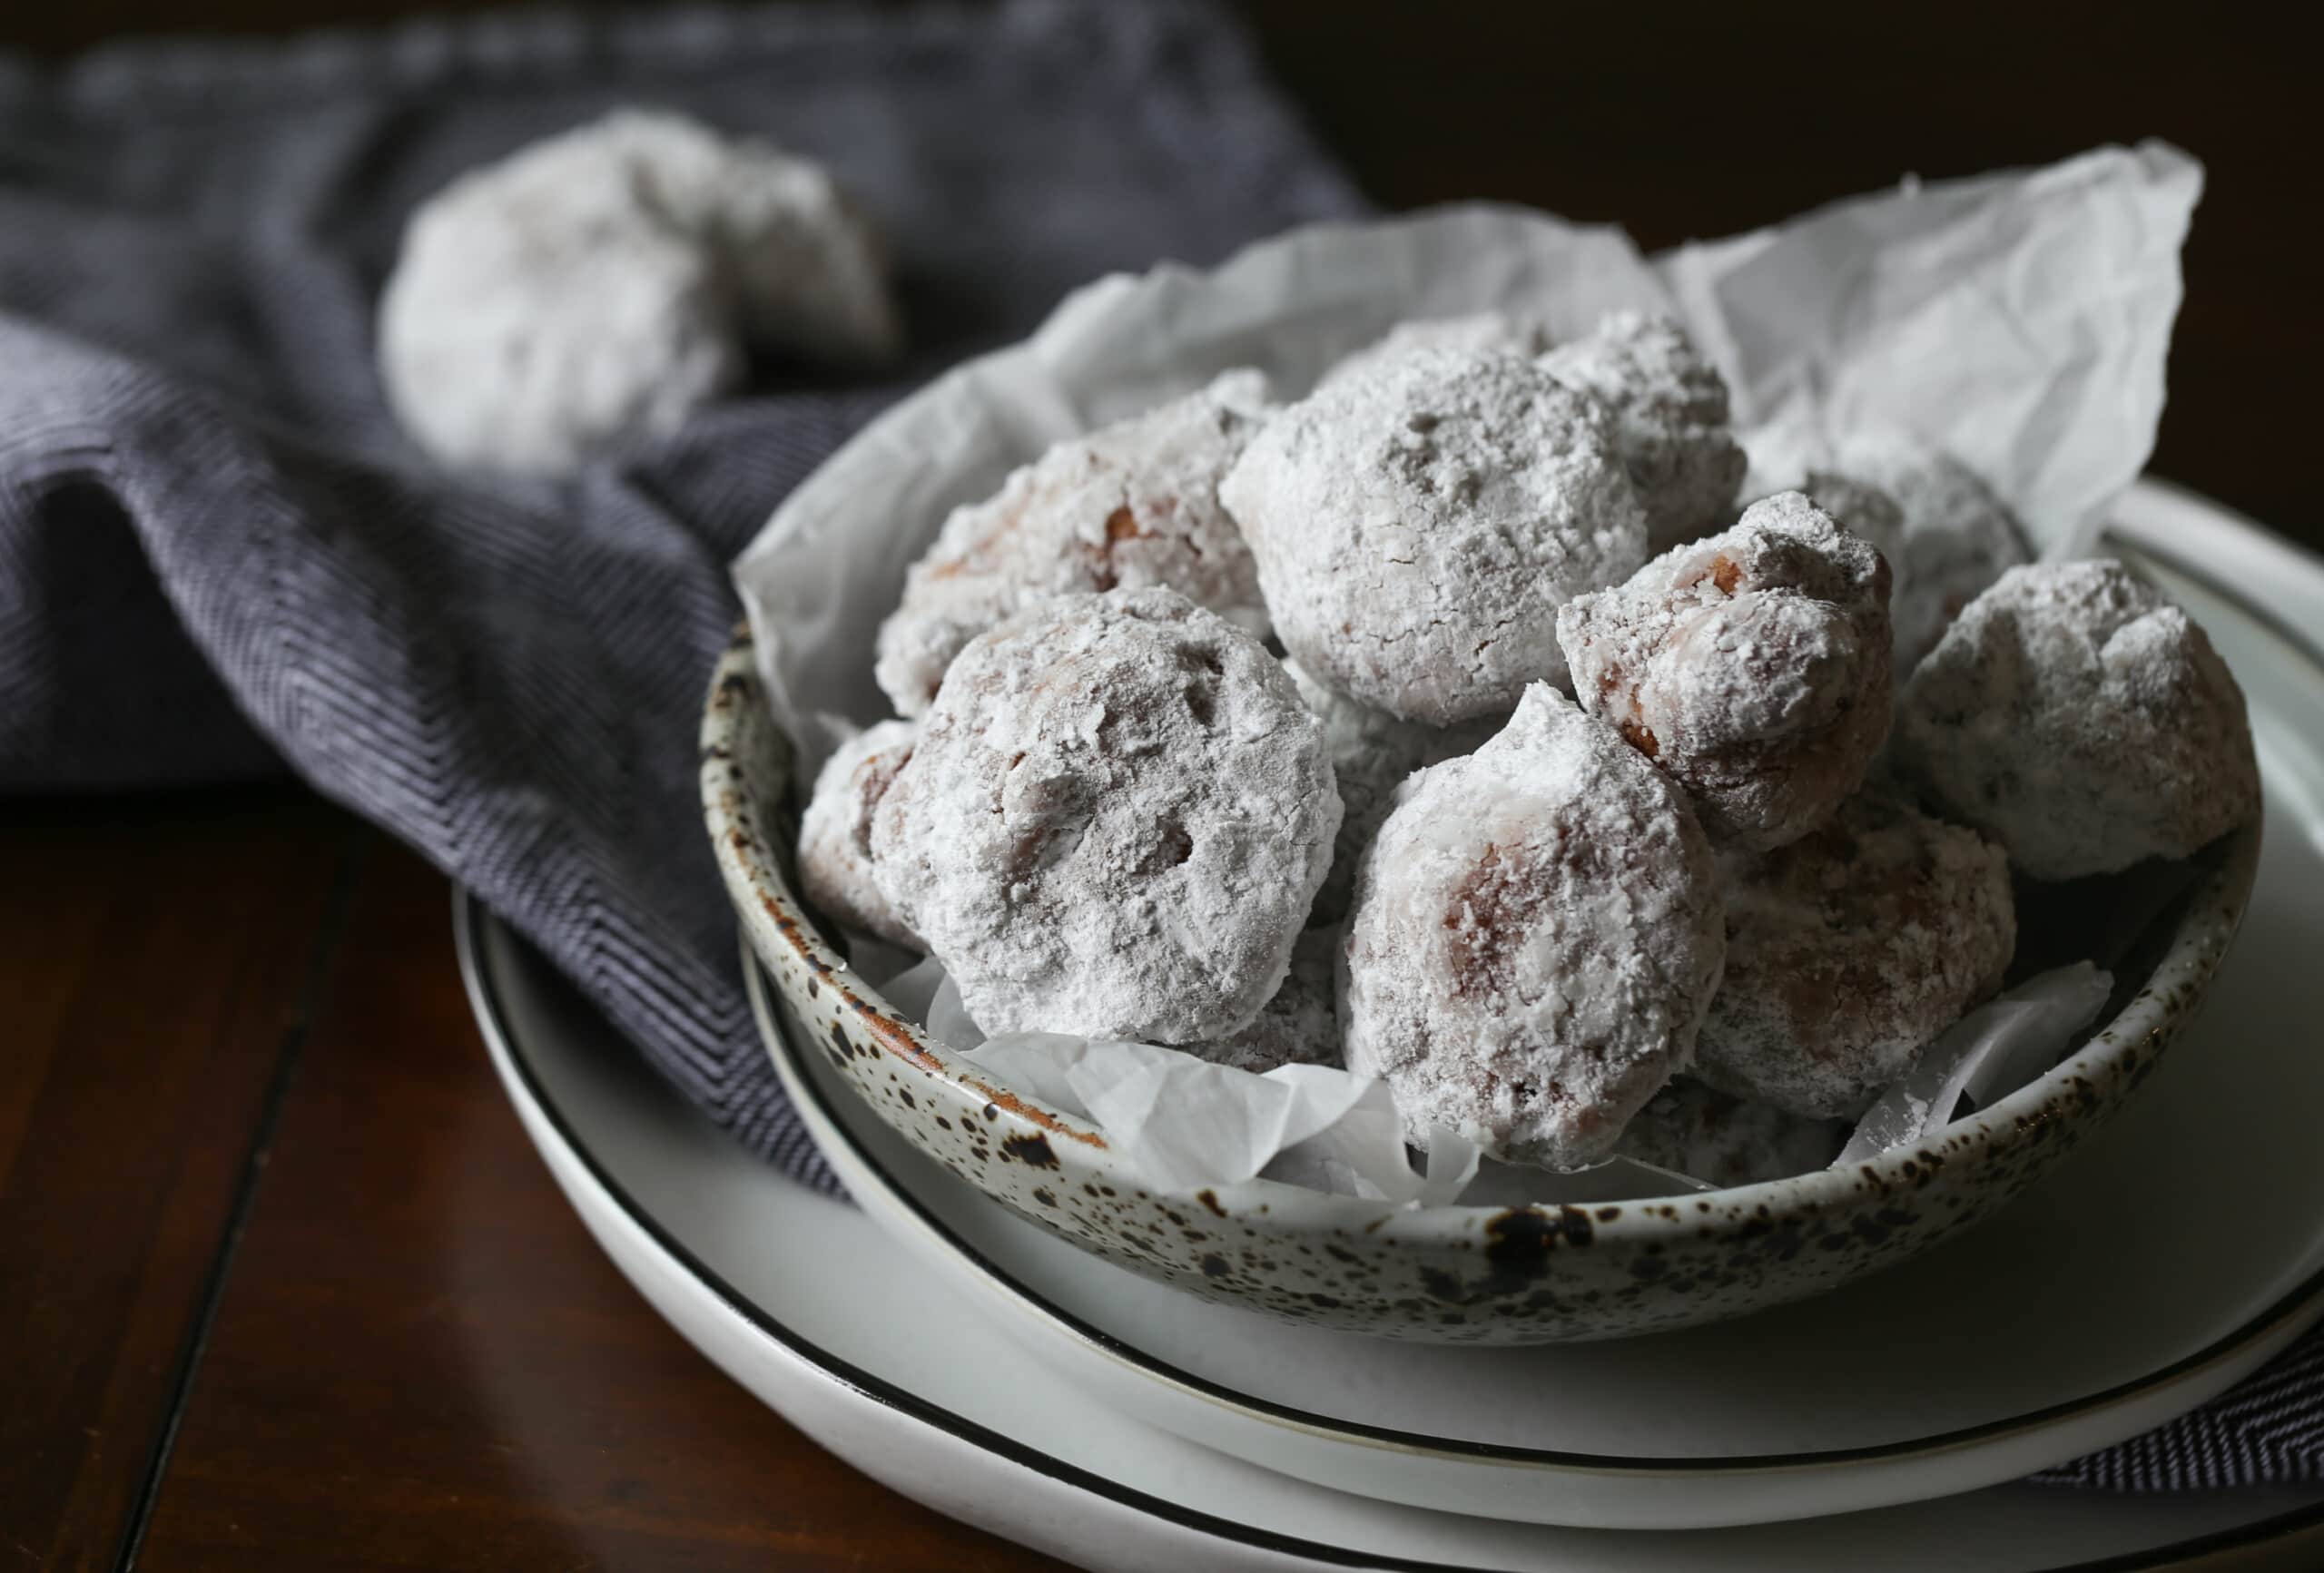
(421, 1359)
(156, 967)
(282, 1285)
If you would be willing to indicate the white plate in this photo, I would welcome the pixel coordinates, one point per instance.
(807, 1304)
(2175, 1255)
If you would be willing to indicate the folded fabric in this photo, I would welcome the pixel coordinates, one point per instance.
(218, 553)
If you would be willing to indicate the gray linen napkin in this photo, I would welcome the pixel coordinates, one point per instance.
(219, 552)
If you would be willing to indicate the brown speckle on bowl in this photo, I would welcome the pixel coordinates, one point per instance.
(1034, 1149)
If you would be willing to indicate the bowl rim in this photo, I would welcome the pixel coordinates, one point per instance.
(2261, 1325)
(470, 921)
(777, 924)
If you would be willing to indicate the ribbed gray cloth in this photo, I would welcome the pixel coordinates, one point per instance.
(218, 553)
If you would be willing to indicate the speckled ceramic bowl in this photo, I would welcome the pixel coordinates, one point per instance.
(1469, 1275)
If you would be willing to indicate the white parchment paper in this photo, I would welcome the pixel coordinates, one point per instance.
(1986, 1056)
(2019, 319)
(1185, 1123)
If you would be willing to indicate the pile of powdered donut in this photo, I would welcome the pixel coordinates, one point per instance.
(1458, 726)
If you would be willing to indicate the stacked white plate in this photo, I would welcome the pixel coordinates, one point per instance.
(979, 1365)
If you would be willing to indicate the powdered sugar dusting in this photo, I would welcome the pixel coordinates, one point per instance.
(2083, 720)
(1132, 504)
(1537, 935)
(835, 832)
(1670, 420)
(597, 288)
(1752, 666)
(1848, 951)
(1418, 522)
(1114, 822)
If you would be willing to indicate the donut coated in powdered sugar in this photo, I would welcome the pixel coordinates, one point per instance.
(1114, 822)
(1418, 522)
(1371, 752)
(2082, 719)
(835, 832)
(1536, 937)
(1670, 420)
(597, 288)
(1847, 951)
(1132, 504)
(1753, 666)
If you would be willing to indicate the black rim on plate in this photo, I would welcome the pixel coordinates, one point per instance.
(470, 918)
(803, 1077)
(469, 915)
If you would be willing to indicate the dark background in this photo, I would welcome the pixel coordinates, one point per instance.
(264, 1216)
(1683, 120)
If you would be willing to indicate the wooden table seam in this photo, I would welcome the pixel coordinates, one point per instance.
(329, 933)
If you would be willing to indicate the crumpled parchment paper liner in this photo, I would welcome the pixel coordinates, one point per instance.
(1986, 1054)
(1186, 1124)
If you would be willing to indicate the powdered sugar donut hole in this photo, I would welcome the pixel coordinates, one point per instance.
(594, 289)
(1847, 951)
(1694, 1129)
(1132, 504)
(1114, 822)
(835, 831)
(1752, 666)
(1300, 1025)
(1372, 753)
(1536, 935)
(2084, 721)
(1418, 522)
(1946, 534)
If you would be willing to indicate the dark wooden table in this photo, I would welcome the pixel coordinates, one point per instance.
(264, 1212)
